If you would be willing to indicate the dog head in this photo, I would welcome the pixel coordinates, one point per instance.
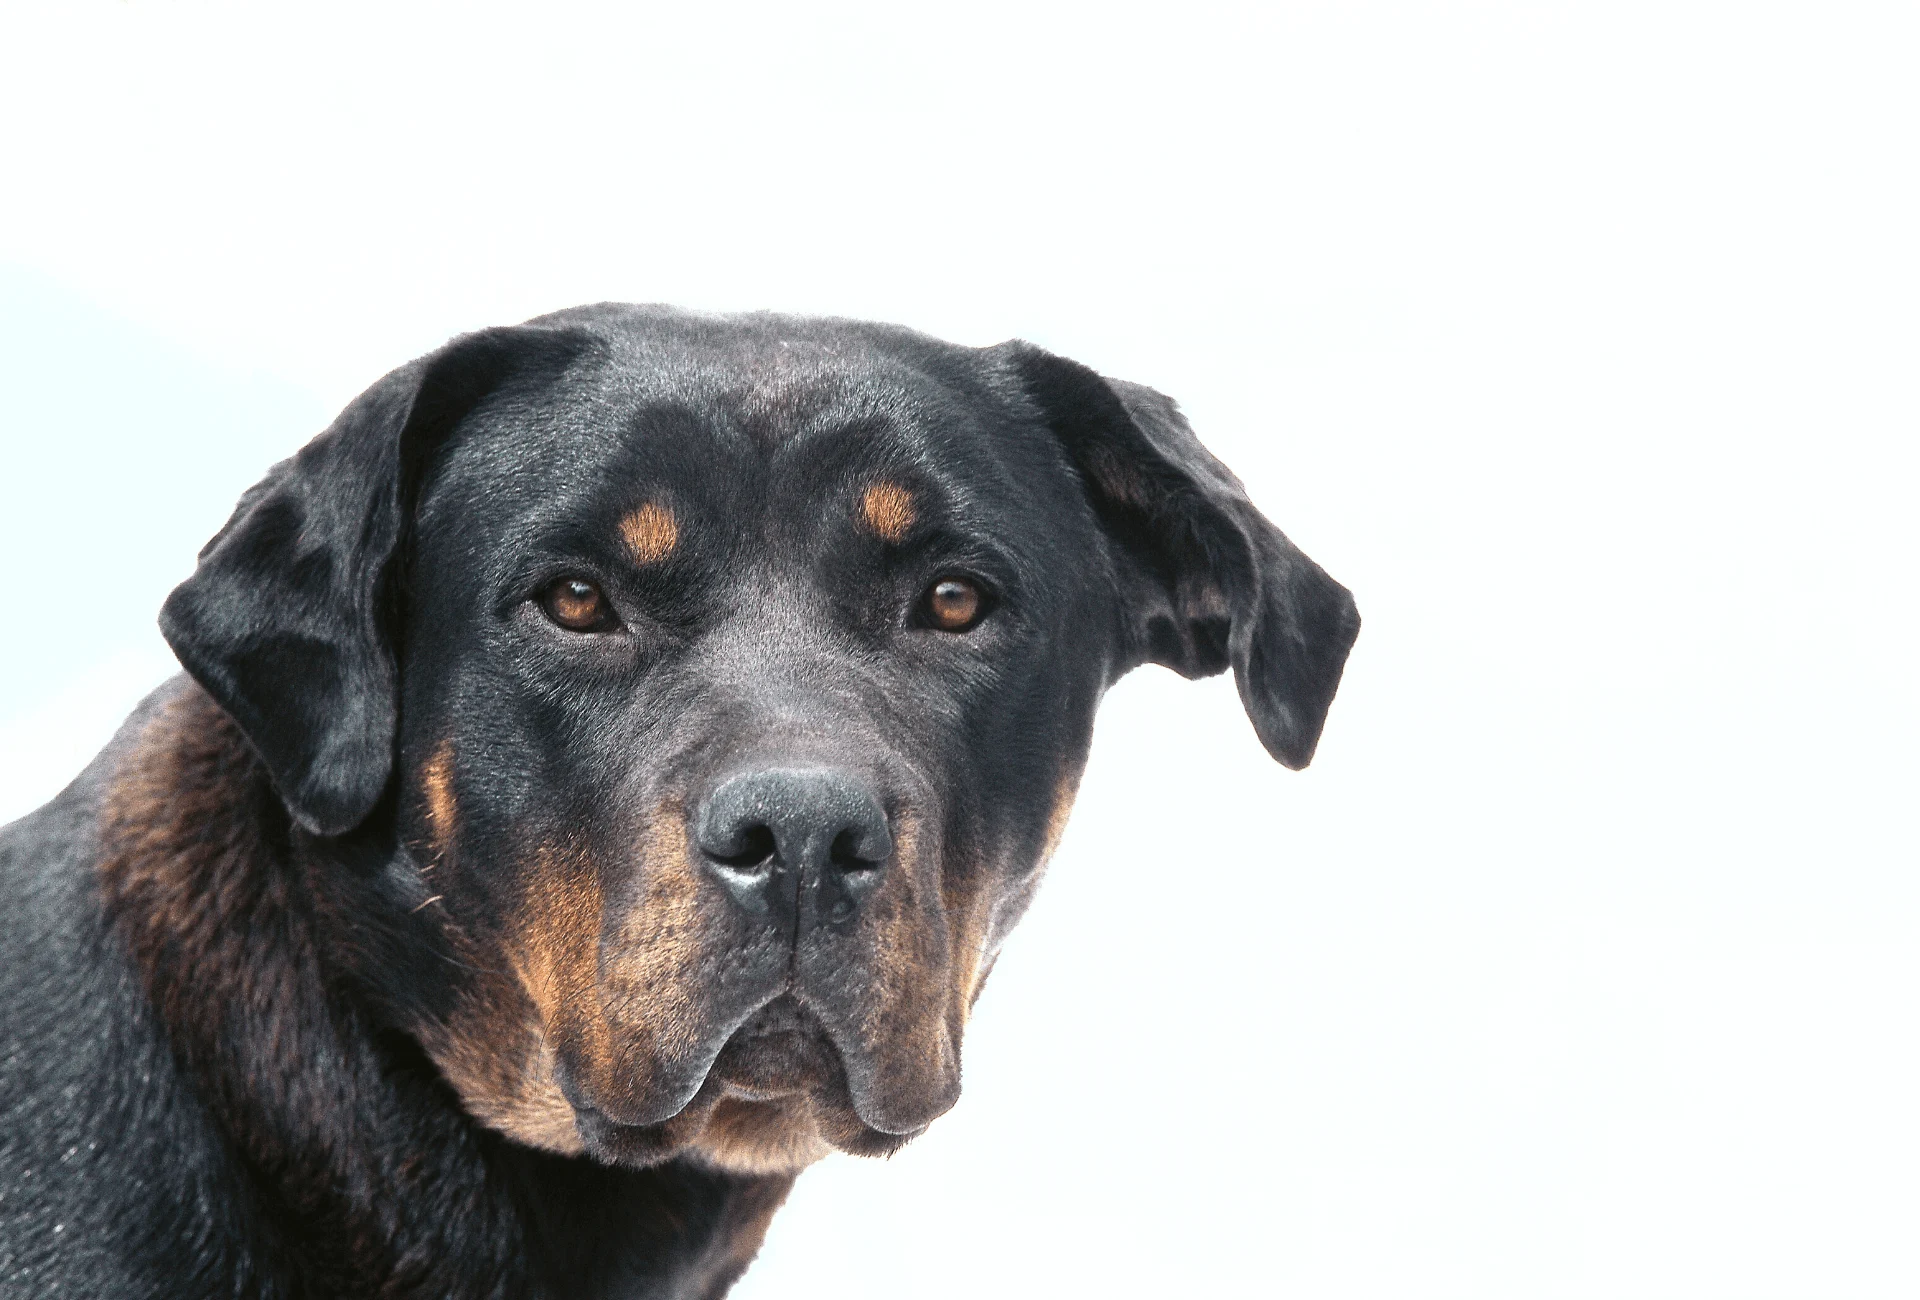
(714, 690)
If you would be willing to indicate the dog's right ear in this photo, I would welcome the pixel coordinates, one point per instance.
(1209, 581)
(286, 621)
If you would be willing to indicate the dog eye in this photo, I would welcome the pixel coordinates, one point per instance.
(577, 605)
(953, 605)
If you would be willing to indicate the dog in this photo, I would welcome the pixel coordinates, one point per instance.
(608, 761)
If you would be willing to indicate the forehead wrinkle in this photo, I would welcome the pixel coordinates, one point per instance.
(868, 398)
(759, 389)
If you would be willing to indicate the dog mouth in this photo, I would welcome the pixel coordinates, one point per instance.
(781, 1051)
(781, 1067)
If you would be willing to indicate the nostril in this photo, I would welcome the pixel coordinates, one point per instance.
(755, 848)
(853, 850)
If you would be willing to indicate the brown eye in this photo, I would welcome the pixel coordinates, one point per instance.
(954, 605)
(577, 605)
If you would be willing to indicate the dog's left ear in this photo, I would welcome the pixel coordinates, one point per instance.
(1208, 580)
(287, 621)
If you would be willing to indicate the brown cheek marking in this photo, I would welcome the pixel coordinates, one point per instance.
(663, 935)
(971, 926)
(888, 510)
(558, 951)
(906, 1013)
(1062, 810)
(561, 906)
(436, 783)
(976, 936)
(497, 1050)
(650, 533)
(969, 907)
(894, 924)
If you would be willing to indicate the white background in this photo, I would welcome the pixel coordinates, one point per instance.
(1579, 340)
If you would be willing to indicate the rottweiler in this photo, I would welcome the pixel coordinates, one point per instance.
(608, 762)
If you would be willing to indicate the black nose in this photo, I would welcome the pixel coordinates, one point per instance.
(802, 844)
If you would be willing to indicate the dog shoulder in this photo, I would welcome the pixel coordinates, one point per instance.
(95, 1135)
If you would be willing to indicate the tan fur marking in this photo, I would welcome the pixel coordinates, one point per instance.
(977, 927)
(562, 929)
(651, 533)
(663, 934)
(497, 1050)
(510, 1086)
(761, 1137)
(972, 931)
(1062, 811)
(906, 1017)
(436, 782)
(888, 510)
(894, 919)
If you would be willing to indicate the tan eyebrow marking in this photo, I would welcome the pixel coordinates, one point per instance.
(888, 510)
(650, 533)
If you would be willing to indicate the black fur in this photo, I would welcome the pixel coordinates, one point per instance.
(373, 959)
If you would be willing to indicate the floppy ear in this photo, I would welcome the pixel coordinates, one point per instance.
(286, 621)
(1209, 581)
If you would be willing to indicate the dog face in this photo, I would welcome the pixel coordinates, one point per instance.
(711, 692)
